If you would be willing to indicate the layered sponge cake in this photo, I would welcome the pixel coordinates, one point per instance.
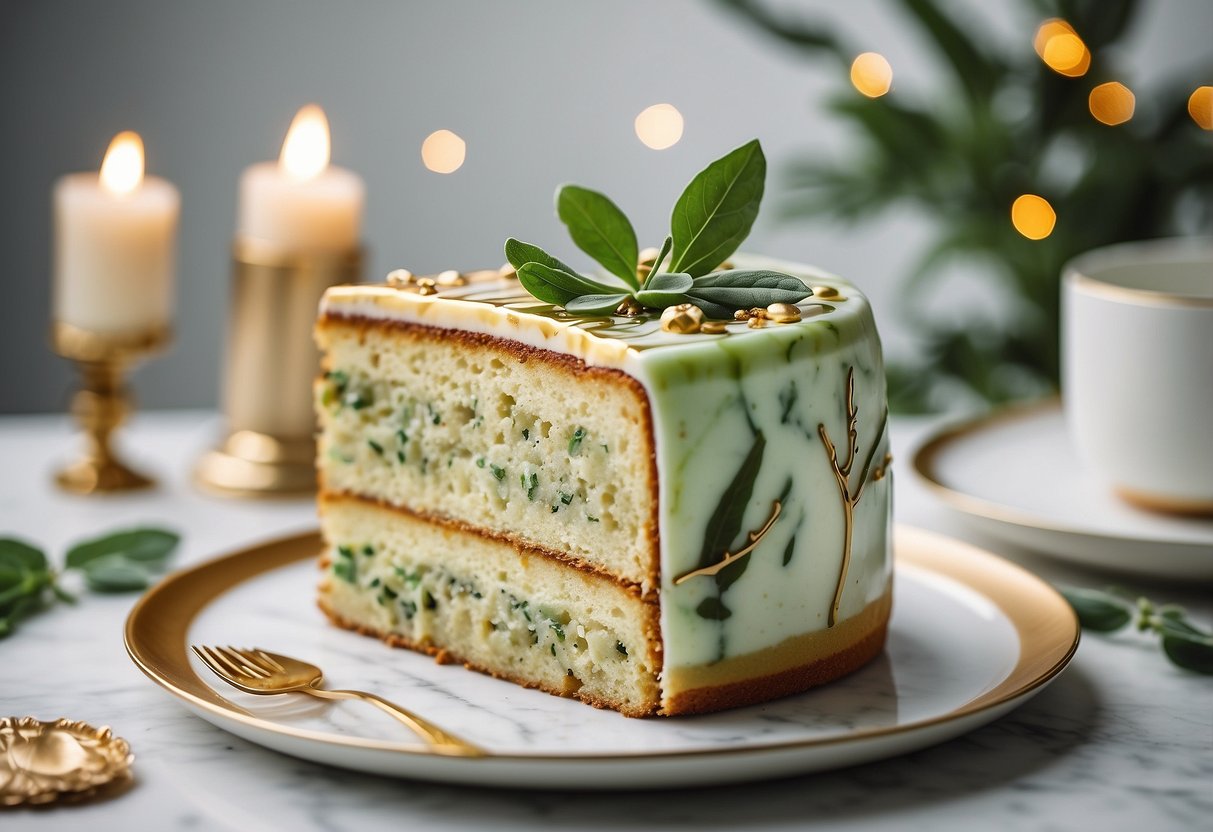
(648, 520)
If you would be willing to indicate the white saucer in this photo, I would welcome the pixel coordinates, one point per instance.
(1015, 475)
(972, 636)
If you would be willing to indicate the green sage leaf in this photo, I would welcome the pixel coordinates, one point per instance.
(1097, 610)
(665, 290)
(1187, 649)
(600, 229)
(149, 546)
(116, 573)
(558, 287)
(519, 254)
(595, 304)
(661, 255)
(18, 556)
(720, 294)
(716, 211)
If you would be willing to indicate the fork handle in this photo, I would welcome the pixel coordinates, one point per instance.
(434, 736)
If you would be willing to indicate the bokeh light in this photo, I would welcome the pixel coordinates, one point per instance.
(871, 74)
(659, 126)
(1033, 216)
(443, 151)
(1200, 107)
(1062, 50)
(1111, 103)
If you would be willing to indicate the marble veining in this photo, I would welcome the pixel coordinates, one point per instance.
(1121, 741)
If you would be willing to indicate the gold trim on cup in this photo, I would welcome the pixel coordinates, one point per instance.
(1078, 271)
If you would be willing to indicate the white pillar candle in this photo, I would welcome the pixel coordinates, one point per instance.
(115, 245)
(302, 203)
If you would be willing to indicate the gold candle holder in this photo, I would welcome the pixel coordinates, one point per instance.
(103, 402)
(272, 362)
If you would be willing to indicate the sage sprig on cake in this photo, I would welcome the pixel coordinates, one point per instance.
(710, 220)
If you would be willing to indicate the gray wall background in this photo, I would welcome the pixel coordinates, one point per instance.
(542, 91)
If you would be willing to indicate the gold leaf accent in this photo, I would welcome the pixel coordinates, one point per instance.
(755, 537)
(684, 319)
(714, 328)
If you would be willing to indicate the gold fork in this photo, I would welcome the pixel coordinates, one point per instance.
(259, 671)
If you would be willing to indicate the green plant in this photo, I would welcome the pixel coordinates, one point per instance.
(1006, 125)
(710, 220)
(117, 562)
(1112, 609)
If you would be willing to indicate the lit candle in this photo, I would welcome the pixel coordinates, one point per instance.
(302, 203)
(115, 242)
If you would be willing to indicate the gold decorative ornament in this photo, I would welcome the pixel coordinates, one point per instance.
(684, 319)
(754, 537)
(426, 286)
(400, 278)
(102, 403)
(842, 476)
(714, 328)
(43, 762)
(629, 307)
(827, 293)
(269, 449)
(783, 313)
(451, 277)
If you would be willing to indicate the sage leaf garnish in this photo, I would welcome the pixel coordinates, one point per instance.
(665, 290)
(557, 287)
(716, 211)
(595, 305)
(600, 229)
(117, 562)
(712, 217)
(1184, 643)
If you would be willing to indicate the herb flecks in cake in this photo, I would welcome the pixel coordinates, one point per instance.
(710, 220)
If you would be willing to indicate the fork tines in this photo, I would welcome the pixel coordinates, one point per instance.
(237, 662)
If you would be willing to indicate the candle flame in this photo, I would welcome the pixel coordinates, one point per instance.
(305, 152)
(122, 168)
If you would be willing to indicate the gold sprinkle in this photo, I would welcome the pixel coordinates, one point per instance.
(827, 293)
(399, 278)
(757, 322)
(714, 327)
(507, 272)
(758, 312)
(425, 286)
(783, 313)
(629, 307)
(741, 315)
(450, 277)
(684, 319)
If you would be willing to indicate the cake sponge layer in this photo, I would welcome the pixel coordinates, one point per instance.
(516, 614)
(527, 444)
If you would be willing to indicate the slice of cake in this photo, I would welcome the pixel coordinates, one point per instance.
(644, 509)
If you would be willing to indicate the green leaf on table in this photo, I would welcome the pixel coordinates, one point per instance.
(1098, 611)
(149, 546)
(558, 287)
(716, 211)
(1186, 646)
(596, 305)
(22, 607)
(519, 254)
(600, 229)
(116, 573)
(664, 290)
(721, 293)
(17, 555)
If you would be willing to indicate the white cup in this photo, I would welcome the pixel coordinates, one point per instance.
(1137, 369)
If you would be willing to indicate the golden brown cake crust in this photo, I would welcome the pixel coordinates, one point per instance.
(445, 656)
(577, 369)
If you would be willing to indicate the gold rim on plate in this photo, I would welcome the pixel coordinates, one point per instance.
(925, 464)
(158, 627)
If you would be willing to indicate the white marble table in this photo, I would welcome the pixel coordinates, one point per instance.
(1121, 741)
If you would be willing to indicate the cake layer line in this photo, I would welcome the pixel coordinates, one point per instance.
(562, 558)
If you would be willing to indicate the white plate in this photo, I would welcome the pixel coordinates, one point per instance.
(1016, 476)
(972, 636)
